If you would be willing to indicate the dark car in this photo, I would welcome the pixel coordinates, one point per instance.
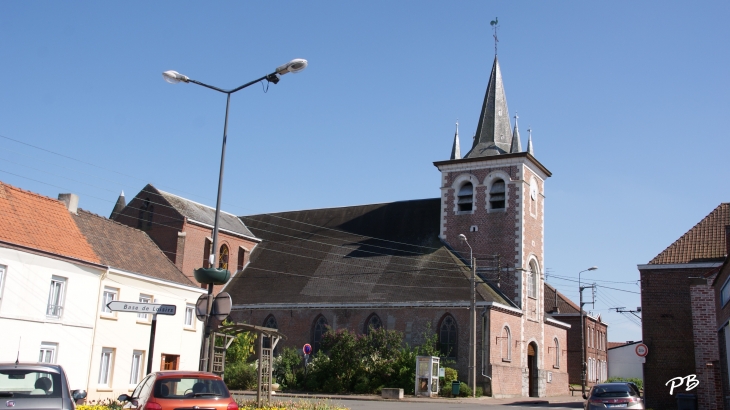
(36, 386)
(169, 390)
(614, 396)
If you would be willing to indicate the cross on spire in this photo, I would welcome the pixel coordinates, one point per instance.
(494, 23)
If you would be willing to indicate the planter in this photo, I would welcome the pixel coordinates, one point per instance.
(275, 386)
(215, 276)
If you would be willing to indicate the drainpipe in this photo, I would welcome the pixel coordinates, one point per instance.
(486, 347)
(96, 325)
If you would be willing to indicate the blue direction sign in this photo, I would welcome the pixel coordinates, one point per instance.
(137, 307)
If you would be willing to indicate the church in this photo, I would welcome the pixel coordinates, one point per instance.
(406, 265)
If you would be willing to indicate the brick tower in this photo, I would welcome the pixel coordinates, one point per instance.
(495, 197)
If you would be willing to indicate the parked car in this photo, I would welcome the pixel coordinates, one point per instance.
(614, 396)
(36, 386)
(169, 390)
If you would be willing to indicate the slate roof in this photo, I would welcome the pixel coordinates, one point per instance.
(364, 254)
(565, 305)
(35, 221)
(705, 242)
(494, 132)
(128, 249)
(203, 213)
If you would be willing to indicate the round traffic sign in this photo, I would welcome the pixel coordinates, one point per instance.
(307, 348)
(642, 350)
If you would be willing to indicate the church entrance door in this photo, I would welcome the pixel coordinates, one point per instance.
(532, 368)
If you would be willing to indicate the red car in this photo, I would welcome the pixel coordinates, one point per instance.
(181, 390)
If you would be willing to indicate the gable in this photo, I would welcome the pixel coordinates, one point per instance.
(705, 242)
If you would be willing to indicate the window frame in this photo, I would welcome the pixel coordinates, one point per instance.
(106, 372)
(557, 353)
(508, 337)
(145, 317)
(138, 360)
(224, 264)
(491, 194)
(105, 311)
(189, 308)
(373, 320)
(319, 328)
(57, 297)
(48, 347)
(453, 352)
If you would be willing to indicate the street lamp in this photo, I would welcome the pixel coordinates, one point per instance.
(582, 337)
(173, 77)
(472, 321)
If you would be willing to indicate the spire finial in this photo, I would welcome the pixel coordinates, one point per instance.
(456, 149)
(494, 23)
(516, 146)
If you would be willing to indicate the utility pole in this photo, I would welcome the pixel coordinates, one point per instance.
(583, 337)
(473, 330)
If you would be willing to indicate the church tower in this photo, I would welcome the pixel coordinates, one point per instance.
(494, 196)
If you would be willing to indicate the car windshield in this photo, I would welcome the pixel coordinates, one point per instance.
(611, 391)
(189, 387)
(19, 383)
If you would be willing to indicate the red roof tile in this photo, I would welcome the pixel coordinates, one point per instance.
(705, 242)
(35, 221)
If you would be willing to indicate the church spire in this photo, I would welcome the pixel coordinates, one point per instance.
(456, 150)
(529, 142)
(494, 134)
(516, 145)
(121, 203)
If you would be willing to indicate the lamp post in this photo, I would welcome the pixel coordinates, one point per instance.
(582, 337)
(173, 77)
(472, 322)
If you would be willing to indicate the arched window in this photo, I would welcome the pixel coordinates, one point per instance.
(447, 337)
(223, 257)
(506, 344)
(557, 352)
(465, 197)
(497, 195)
(373, 323)
(270, 322)
(141, 217)
(319, 328)
(532, 275)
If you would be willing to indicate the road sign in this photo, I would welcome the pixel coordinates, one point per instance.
(222, 304)
(137, 307)
(642, 350)
(307, 349)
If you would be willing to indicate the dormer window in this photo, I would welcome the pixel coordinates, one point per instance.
(497, 195)
(465, 198)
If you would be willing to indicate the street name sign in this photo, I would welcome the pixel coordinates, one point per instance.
(137, 307)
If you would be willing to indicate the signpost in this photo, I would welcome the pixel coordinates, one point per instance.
(153, 308)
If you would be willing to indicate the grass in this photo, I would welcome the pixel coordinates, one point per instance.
(290, 405)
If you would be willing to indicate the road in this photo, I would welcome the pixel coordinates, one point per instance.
(438, 404)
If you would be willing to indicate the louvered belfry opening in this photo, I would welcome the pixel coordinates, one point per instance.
(497, 195)
(465, 199)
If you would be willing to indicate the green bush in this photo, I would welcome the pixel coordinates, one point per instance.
(635, 380)
(464, 390)
(289, 368)
(240, 376)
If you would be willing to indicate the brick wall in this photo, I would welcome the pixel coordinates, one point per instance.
(707, 353)
(668, 332)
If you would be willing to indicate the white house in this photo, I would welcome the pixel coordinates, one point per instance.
(49, 276)
(59, 266)
(138, 272)
(624, 362)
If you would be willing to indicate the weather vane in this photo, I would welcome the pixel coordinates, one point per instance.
(494, 23)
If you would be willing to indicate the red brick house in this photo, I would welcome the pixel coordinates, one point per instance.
(721, 286)
(402, 265)
(679, 322)
(183, 229)
(595, 338)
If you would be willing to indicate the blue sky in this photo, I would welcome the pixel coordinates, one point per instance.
(627, 102)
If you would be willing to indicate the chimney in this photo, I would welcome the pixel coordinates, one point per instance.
(71, 201)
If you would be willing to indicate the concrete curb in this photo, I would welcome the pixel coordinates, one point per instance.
(372, 397)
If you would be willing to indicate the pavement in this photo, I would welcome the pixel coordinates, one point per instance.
(552, 400)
